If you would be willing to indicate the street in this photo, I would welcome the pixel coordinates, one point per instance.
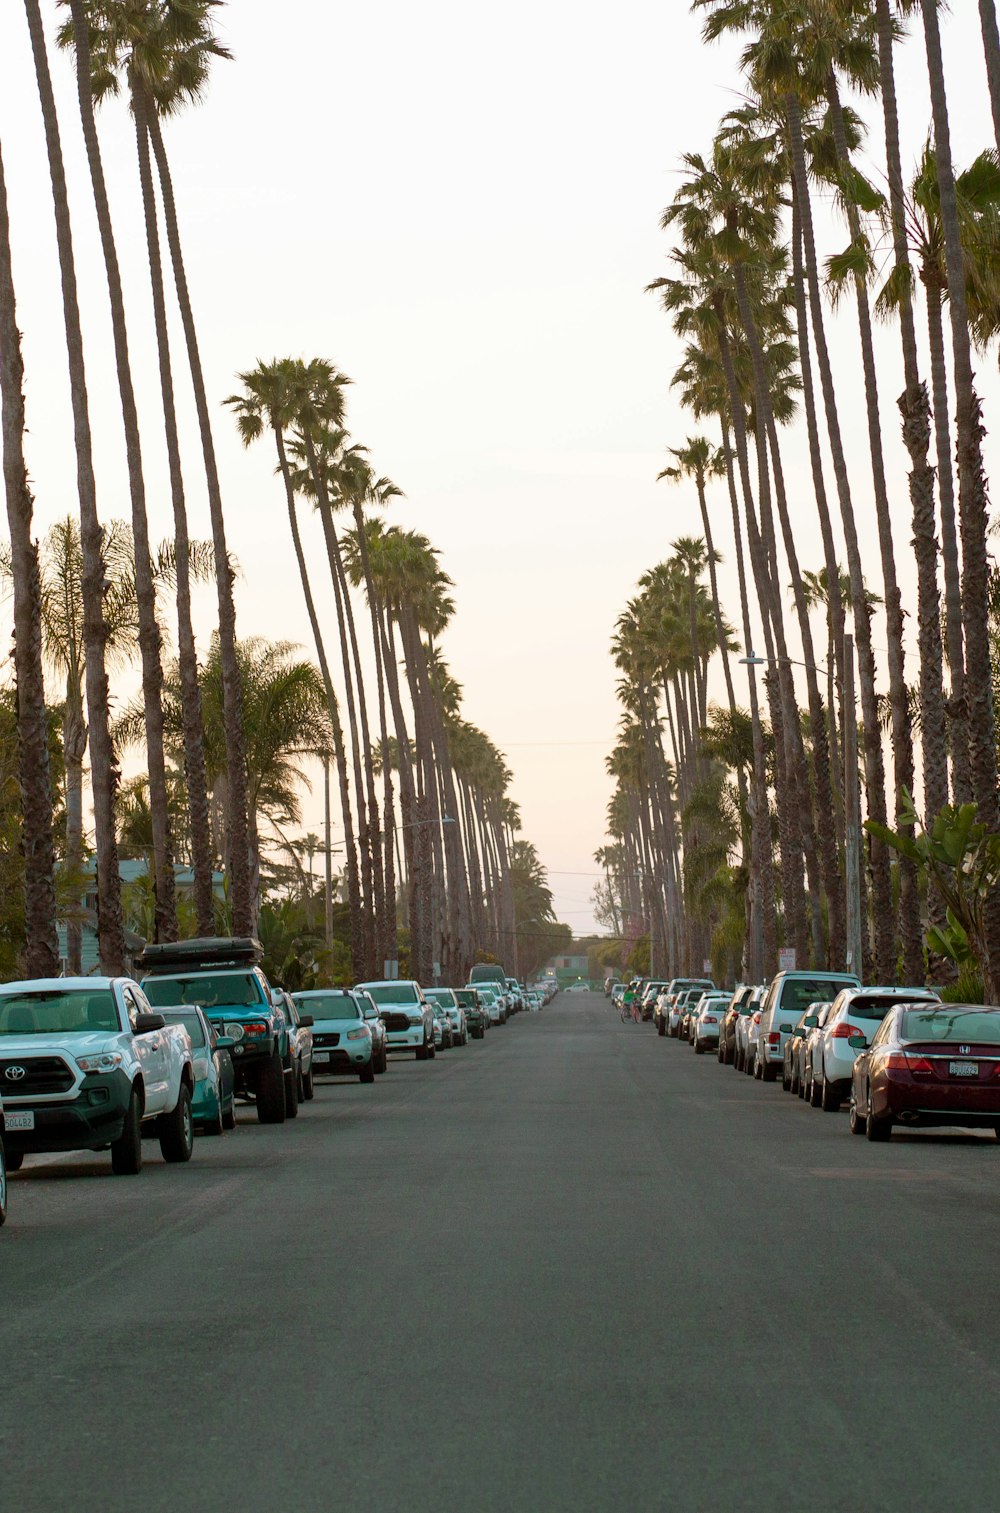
(572, 1267)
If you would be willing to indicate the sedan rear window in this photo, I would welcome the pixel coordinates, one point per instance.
(797, 993)
(875, 1008)
(981, 1028)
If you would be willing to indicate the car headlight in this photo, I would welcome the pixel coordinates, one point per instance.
(107, 1061)
(415, 1018)
(234, 1031)
(362, 1034)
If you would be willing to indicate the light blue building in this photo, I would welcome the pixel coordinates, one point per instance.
(129, 872)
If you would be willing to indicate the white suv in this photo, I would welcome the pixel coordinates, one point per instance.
(788, 997)
(855, 1011)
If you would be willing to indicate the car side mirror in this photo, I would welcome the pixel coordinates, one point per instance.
(857, 1042)
(811, 1021)
(787, 1029)
(145, 1024)
(224, 1042)
(306, 1021)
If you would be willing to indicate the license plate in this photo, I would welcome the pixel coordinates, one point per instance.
(321, 1056)
(19, 1121)
(963, 1068)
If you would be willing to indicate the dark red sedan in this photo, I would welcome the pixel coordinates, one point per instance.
(925, 1065)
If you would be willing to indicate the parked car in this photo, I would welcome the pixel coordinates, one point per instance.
(857, 1012)
(301, 1042)
(86, 1064)
(406, 1014)
(927, 1065)
(746, 1038)
(380, 1040)
(650, 993)
(534, 1001)
(689, 1003)
(223, 975)
(707, 1022)
(618, 994)
(739, 1004)
(673, 989)
(494, 1005)
(444, 1038)
(342, 1040)
(809, 1088)
(448, 1002)
(476, 1017)
(788, 996)
(213, 1106)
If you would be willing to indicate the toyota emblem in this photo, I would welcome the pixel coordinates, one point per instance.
(15, 1073)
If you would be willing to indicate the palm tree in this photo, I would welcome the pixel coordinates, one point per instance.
(41, 956)
(104, 768)
(991, 46)
(972, 492)
(150, 640)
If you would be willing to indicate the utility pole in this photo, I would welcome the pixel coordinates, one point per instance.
(852, 817)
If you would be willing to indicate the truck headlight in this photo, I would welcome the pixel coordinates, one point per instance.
(106, 1061)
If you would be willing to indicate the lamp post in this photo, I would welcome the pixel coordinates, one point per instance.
(852, 815)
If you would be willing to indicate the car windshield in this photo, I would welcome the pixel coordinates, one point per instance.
(875, 1008)
(212, 990)
(63, 1011)
(330, 1006)
(944, 1024)
(444, 996)
(797, 993)
(466, 998)
(190, 1021)
(392, 992)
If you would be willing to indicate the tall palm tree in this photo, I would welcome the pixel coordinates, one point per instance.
(991, 46)
(41, 954)
(104, 768)
(972, 492)
(150, 639)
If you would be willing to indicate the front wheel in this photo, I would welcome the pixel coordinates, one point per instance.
(856, 1122)
(176, 1129)
(308, 1085)
(829, 1100)
(699, 1049)
(270, 1092)
(367, 1073)
(815, 1093)
(661, 1028)
(15, 1160)
(126, 1151)
(422, 1051)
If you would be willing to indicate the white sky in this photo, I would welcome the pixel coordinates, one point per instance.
(460, 208)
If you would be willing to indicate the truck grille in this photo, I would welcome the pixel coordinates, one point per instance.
(396, 1021)
(41, 1074)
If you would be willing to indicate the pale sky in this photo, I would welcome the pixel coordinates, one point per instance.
(460, 209)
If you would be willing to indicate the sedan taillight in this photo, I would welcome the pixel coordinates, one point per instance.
(917, 1066)
(844, 1031)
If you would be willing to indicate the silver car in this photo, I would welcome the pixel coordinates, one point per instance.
(855, 1011)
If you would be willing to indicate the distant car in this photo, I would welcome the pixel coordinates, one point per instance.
(534, 1001)
(578, 987)
(406, 1015)
(708, 1022)
(493, 1003)
(618, 994)
(650, 994)
(341, 1036)
(476, 1017)
(739, 1004)
(380, 1040)
(668, 998)
(795, 1045)
(809, 1088)
(447, 1001)
(213, 1107)
(746, 1039)
(928, 1065)
(300, 1046)
(444, 1035)
(856, 1012)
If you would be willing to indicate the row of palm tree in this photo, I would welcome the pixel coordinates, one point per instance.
(750, 295)
(429, 829)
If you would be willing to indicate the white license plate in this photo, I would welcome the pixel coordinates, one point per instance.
(321, 1057)
(19, 1121)
(963, 1068)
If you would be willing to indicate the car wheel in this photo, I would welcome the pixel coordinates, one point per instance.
(291, 1094)
(661, 1028)
(270, 1092)
(877, 1130)
(422, 1052)
(15, 1160)
(768, 1072)
(367, 1073)
(802, 1090)
(829, 1101)
(213, 1126)
(126, 1151)
(229, 1118)
(699, 1049)
(815, 1092)
(308, 1086)
(855, 1120)
(176, 1129)
(432, 1051)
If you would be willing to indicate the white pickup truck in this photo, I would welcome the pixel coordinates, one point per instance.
(86, 1064)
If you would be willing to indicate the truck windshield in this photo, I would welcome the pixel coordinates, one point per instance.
(70, 1011)
(212, 990)
(392, 992)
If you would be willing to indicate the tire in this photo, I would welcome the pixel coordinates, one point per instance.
(856, 1122)
(432, 1051)
(271, 1092)
(829, 1101)
(14, 1160)
(786, 1081)
(213, 1126)
(291, 1094)
(229, 1120)
(877, 1130)
(768, 1072)
(699, 1049)
(176, 1129)
(367, 1073)
(422, 1052)
(661, 1028)
(126, 1151)
(815, 1093)
(308, 1085)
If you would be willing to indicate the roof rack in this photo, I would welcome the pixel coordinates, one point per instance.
(207, 951)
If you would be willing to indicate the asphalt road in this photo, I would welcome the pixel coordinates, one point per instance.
(572, 1267)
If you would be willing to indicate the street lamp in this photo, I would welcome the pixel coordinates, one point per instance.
(852, 814)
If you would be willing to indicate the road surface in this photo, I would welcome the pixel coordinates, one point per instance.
(572, 1267)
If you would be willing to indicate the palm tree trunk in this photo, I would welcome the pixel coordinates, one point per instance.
(972, 497)
(991, 46)
(358, 963)
(74, 733)
(41, 948)
(236, 771)
(150, 640)
(884, 914)
(104, 768)
(195, 778)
